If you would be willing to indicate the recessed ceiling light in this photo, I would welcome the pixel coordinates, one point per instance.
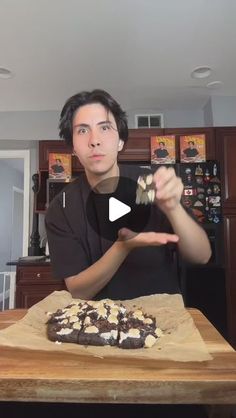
(201, 72)
(5, 73)
(214, 84)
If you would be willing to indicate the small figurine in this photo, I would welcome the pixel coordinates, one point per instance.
(207, 176)
(198, 171)
(214, 170)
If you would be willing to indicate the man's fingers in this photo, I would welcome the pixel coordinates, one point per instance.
(163, 175)
(172, 238)
(146, 238)
(163, 238)
(170, 190)
(156, 238)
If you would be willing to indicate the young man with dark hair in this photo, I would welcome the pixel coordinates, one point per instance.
(127, 265)
(161, 152)
(191, 151)
(58, 167)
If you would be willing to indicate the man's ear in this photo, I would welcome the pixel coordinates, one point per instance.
(120, 145)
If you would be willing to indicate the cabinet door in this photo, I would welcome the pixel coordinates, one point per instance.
(45, 147)
(226, 154)
(204, 288)
(137, 148)
(35, 275)
(27, 296)
(230, 246)
(34, 283)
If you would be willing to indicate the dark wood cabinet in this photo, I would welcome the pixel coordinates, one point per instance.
(34, 282)
(226, 153)
(137, 148)
(46, 147)
(230, 272)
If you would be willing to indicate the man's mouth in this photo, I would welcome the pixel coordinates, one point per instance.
(96, 156)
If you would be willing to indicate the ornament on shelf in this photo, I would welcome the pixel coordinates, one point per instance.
(34, 248)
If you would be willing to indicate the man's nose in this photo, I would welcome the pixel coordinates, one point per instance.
(94, 141)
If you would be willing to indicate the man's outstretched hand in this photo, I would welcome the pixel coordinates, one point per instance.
(145, 239)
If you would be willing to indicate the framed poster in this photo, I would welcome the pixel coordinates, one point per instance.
(59, 166)
(163, 149)
(193, 148)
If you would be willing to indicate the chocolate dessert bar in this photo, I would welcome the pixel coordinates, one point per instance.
(137, 330)
(102, 323)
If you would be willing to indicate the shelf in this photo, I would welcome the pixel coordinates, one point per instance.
(41, 197)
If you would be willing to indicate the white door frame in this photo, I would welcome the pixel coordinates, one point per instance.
(25, 154)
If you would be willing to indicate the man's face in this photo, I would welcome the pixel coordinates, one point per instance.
(96, 139)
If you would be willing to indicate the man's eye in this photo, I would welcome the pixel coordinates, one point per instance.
(106, 127)
(82, 131)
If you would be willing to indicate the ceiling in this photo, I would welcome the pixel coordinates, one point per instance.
(141, 51)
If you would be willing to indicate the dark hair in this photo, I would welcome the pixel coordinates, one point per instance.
(161, 142)
(190, 142)
(84, 98)
(58, 159)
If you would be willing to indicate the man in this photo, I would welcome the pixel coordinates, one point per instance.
(57, 169)
(161, 152)
(191, 151)
(129, 265)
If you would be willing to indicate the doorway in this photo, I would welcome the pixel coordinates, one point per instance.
(14, 217)
(16, 250)
(20, 157)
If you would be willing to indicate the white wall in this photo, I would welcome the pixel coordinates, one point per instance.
(183, 118)
(34, 126)
(207, 112)
(29, 126)
(224, 110)
(172, 118)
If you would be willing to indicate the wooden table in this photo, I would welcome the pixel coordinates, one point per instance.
(30, 375)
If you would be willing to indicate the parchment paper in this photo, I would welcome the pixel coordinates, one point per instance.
(181, 341)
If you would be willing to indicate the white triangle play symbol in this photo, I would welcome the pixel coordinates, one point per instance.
(117, 209)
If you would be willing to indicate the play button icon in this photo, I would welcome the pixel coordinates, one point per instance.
(117, 209)
(111, 205)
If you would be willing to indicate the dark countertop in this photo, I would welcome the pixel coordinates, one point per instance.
(29, 261)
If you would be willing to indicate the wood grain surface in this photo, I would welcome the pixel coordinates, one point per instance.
(31, 375)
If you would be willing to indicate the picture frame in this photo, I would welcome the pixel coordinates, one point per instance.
(163, 149)
(193, 148)
(60, 166)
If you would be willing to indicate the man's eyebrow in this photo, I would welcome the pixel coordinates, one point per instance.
(104, 121)
(85, 125)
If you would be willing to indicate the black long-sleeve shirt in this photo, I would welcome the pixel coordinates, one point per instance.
(79, 233)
